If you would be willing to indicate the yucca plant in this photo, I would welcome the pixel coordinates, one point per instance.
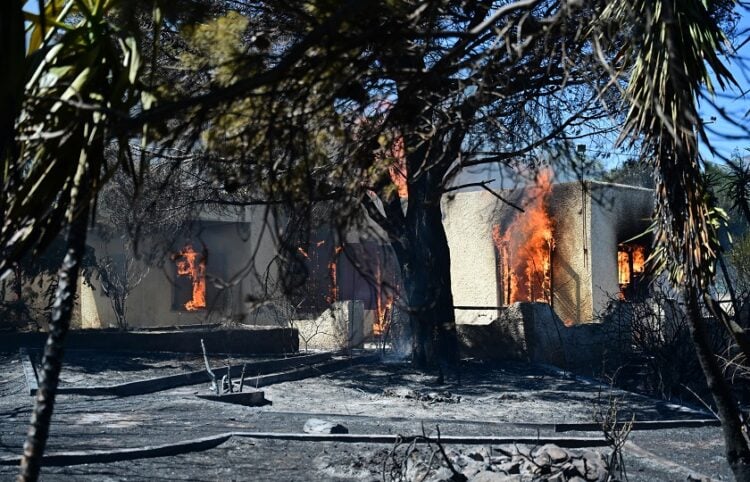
(81, 73)
(11, 63)
(676, 50)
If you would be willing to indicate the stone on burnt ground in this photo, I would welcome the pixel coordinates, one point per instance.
(553, 453)
(477, 455)
(443, 474)
(316, 425)
(588, 469)
(416, 470)
(548, 462)
(495, 477)
(510, 468)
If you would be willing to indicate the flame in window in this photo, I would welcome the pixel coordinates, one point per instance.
(631, 264)
(192, 264)
(524, 249)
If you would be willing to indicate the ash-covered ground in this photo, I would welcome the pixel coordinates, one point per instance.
(508, 400)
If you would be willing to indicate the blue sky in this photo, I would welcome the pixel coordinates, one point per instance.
(733, 101)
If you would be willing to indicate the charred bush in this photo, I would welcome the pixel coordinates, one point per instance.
(660, 359)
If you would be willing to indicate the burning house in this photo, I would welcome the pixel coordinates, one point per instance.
(574, 246)
(573, 250)
(557, 262)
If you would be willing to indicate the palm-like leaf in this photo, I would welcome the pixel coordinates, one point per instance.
(89, 71)
(82, 71)
(677, 50)
(12, 63)
(681, 44)
(737, 187)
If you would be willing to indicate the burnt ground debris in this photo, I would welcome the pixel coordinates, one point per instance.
(508, 399)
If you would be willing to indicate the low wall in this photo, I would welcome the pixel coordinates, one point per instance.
(503, 338)
(532, 332)
(249, 341)
(340, 327)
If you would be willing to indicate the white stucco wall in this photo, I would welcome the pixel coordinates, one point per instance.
(468, 219)
(341, 327)
(570, 208)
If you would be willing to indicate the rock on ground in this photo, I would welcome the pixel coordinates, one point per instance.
(316, 425)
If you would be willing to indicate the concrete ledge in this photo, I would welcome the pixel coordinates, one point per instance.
(151, 385)
(642, 425)
(565, 442)
(256, 341)
(78, 457)
(309, 371)
(253, 398)
(29, 371)
(538, 426)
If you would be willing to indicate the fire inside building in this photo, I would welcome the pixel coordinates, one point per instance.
(534, 282)
(190, 284)
(575, 246)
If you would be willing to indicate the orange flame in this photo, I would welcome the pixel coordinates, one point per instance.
(639, 259)
(193, 264)
(623, 267)
(397, 170)
(333, 295)
(524, 249)
(631, 260)
(382, 308)
(382, 315)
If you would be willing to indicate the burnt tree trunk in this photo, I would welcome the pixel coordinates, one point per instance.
(36, 438)
(425, 268)
(18, 282)
(418, 236)
(738, 452)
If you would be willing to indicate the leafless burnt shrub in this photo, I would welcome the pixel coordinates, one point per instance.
(660, 358)
(118, 277)
(616, 431)
(406, 460)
